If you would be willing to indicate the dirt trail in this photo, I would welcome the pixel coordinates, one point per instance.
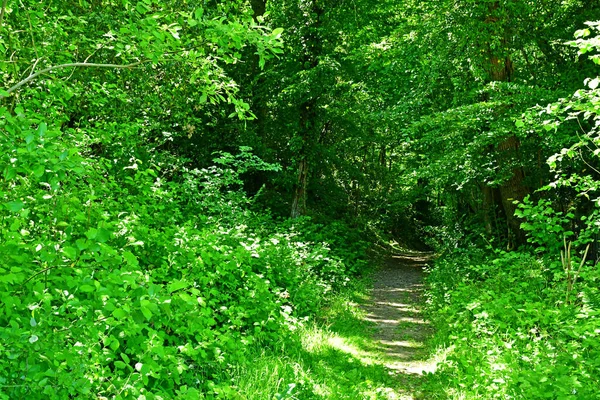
(396, 309)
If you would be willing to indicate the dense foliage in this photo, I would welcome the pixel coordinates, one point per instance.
(526, 324)
(153, 152)
(119, 281)
(127, 271)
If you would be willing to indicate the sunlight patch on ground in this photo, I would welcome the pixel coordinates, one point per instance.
(399, 306)
(403, 343)
(340, 343)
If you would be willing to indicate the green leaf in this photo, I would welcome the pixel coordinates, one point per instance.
(131, 259)
(277, 32)
(91, 233)
(70, 252)
(119, 313)
(82, 244)
(10, 173)
(38, 171)
(114, 343)
(186, 298)
(145, 307)
(87, 288)
(14, 206)
(42, 129)
(176, 285)
(103, 235)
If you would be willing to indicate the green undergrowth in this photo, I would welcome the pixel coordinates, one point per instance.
(331, 357)
(126, 274)
(509, 329)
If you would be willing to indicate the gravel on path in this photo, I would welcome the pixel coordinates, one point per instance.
(395, 308)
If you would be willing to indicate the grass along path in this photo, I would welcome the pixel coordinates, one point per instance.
(369, 344)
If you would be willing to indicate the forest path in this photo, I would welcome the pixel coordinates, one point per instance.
(395, 307)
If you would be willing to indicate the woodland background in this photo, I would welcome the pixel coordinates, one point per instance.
(183, 183)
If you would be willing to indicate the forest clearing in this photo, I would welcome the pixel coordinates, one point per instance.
(308, 199)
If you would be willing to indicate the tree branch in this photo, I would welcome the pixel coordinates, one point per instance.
(70, 65)
(2, 11)
(32, 38)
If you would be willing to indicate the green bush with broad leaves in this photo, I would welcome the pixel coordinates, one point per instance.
(510, 331)
(133, 276)
(526, 324)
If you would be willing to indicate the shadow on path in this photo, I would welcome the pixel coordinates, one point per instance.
(395, 308)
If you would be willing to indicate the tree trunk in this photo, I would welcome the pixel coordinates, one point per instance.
(258, 7)
(488, 208)
(299, 202)
(501, 70)
(512, 190)
(308, 114)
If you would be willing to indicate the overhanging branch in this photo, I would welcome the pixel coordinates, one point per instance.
(2, 11)
(69, 65)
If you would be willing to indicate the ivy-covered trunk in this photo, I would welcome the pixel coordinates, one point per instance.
(512, 190)
(501, 69)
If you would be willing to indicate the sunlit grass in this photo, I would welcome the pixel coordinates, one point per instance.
(332, 358)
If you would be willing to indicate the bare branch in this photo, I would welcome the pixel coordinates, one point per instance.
(2, 11)
(32, 38)
(70, 65)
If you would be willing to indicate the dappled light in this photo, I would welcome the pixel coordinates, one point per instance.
(396, 311)
(299, 200)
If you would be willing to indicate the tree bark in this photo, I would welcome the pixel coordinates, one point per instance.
(512, 190)
(488, 208)
(308, 114)
(501, 69)
(299, 202)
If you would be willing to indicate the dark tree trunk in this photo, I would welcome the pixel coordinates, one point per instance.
(501, 70)
(299, 202)
(488, 209)
(258, 7)
(512, 190)
(308, 114)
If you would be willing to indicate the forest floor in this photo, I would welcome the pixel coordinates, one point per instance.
(369, 343)
(396, 309)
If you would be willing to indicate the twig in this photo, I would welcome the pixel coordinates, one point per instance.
(586, 163)
(32, 38)
(2, 11)
(581, 264)
(85, 61)
(70, 65)
(36, 274)
(32, 67)
(566, 260)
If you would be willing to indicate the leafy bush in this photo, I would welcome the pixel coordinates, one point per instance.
(124, 273)
(510, 331)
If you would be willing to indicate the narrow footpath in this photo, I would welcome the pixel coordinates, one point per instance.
(395, 307)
